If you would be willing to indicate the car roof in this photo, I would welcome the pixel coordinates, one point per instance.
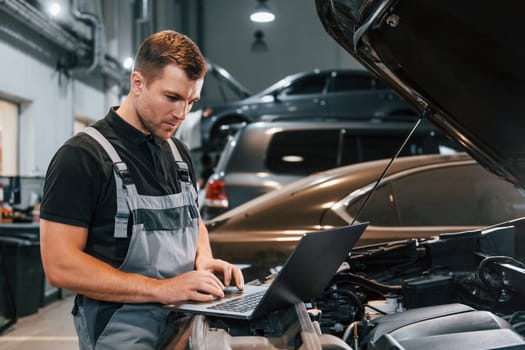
(287, 80)
(327, 124)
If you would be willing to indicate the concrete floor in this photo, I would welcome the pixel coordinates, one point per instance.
(51, 328)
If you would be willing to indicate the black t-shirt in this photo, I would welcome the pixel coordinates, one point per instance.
(79, 189)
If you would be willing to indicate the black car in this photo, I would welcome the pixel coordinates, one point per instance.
(460, 63)
(334, 94)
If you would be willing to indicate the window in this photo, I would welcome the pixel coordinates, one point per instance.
(349, 82)
(380, 209)
(364, 148)
(378, 147)
(466, 195)
(302, 151)
(313, 84)
(380, 85)
(373, 147)
(307, 151)
(456, 195)
(8, 138)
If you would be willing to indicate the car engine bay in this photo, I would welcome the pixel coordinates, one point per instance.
(458, 290)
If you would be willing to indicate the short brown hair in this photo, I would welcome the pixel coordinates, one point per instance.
(165, 47)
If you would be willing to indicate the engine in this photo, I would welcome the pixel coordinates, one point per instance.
(461, 290)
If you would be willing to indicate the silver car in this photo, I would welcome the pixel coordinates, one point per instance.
(265, 156)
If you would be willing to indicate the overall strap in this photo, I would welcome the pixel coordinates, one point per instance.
(183, 171)
(123, 182)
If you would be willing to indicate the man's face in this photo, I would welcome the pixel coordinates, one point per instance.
(163, 103)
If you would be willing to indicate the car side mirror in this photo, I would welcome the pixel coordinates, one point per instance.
(270, 98)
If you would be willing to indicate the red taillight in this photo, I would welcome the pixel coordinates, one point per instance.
(216, 194)
(207, 112)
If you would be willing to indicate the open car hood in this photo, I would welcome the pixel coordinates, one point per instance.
(459, 62)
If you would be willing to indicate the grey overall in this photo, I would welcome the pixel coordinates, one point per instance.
(162, 245)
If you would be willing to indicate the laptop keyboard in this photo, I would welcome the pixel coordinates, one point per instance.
(242, 304)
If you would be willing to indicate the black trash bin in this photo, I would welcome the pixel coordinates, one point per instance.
(7, 305)
(23, 266)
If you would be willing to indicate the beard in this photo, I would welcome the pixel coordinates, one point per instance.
(161, 129)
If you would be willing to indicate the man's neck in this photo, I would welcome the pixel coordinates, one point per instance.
(129, 115)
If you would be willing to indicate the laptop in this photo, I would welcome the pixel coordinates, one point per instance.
(305, 275)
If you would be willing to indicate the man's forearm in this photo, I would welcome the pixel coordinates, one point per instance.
(68, 266)
(203, 245)
(91, 277)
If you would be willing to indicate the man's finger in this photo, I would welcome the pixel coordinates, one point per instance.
(239, 278)
(227, 274)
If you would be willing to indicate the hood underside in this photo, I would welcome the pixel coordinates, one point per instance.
(461, 63)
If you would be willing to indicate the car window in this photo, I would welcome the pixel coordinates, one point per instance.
(313, 84)
(289, 153)
(302, 151)
(349, 82)
(372, 147)
(379, 84)
(380, 209)
(466, 195)
(459, 195)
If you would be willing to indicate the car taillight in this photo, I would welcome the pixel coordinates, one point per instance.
(207, 112)
(216, 194)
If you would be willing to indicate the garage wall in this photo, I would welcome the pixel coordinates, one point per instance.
(296, 39)
(48, 105)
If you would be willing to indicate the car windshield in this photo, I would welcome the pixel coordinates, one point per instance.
(279, 85)
(220, 87)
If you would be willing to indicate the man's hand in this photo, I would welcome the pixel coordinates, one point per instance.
(228, 271)
(193, 285)
(204, 261)
(201, 284)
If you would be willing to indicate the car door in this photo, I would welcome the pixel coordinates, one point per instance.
(358, 95)
(302, 97)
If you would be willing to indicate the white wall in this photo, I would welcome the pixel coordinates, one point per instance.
(48, 108)
(297, 41)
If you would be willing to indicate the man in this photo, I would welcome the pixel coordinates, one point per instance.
(119, 221)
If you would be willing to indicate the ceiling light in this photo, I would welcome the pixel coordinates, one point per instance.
(55, 9)
(262, 13)
(128, 63)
